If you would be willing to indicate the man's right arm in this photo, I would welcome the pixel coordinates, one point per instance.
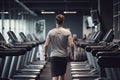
(47, 42)
(45, 48)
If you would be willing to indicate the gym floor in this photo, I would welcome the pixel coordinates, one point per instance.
(46, 73)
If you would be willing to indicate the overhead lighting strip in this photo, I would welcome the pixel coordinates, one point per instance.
(3, 12)
(52, 12)
(70, 12)
(47, 12)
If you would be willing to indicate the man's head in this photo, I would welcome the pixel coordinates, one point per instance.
(59, 19)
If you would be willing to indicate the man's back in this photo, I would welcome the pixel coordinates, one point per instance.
(59, 41)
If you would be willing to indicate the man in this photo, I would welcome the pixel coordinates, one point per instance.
(59, 38)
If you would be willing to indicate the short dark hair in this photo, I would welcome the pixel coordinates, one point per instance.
(59, 19)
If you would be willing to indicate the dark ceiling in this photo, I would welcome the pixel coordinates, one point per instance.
(60, 5)
(82, 6)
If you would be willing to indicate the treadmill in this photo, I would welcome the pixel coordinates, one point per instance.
(77, 70)
(6, 55)
(24, 69)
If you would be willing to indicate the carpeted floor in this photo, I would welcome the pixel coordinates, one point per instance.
(46, 74)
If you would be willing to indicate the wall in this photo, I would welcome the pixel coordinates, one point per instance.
(72, 21)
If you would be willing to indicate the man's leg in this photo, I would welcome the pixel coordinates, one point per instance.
(61, 77)
(55, 78)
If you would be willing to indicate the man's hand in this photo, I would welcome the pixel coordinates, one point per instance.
(46, 58)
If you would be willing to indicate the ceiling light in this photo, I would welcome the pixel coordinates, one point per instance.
(70, 12)
(3, 12)
(47, 12)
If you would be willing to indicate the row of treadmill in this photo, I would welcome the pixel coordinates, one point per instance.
(18, 59)
(103, 58)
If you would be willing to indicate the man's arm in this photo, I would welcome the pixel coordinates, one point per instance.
(71, 43)
(46, 47)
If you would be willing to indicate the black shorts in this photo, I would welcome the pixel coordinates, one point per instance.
(58, 66)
